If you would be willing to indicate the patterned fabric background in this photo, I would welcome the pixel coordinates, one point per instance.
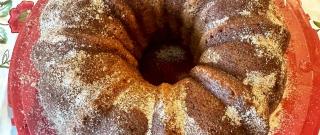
(12, 15)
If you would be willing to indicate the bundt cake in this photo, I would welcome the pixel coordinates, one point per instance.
(160, 66)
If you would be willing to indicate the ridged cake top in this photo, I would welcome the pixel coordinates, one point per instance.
(89, 52)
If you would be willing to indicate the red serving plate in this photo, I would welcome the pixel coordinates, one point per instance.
(301, 108)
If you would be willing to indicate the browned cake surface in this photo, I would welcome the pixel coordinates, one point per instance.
(160, 66)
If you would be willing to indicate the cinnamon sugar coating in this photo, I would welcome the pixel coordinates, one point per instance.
(90, 51)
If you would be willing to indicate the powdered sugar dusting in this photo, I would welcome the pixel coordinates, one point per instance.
(66, 98)
(271, 47)
(69, 99)
(99, 4)
(261, 88)
(206, 9)
(66, 83)
(173, 97)
(275, 119)
(53, 38)
(137, 96)
(245, 13)
(233, 114)
(273, 16)
(193, 128)
(210, 56)
(62, 15)
(217, 23)
(247, 117)
(178, 108)
(254, 121)
(160, 111)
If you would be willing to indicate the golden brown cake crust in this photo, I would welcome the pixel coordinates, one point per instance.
(90, 52)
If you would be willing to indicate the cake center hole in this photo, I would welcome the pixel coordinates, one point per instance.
(165, 61)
